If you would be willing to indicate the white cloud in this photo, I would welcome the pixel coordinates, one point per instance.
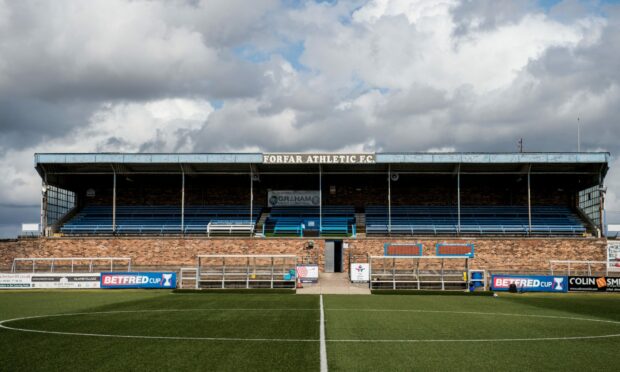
(156, 126)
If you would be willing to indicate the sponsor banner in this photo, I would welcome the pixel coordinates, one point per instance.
(593, 284)
(292, 158)
(50, 280)
(530, 283)
(360, 272)
(287, 198)
(139, 280)
(308, 273)
(14, 281)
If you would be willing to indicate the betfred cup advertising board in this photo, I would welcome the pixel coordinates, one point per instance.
(530, 283)
(593, 284)
(153, 280)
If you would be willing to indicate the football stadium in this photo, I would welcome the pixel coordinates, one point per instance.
(314, 261)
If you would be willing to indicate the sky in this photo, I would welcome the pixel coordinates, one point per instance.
(358, 76)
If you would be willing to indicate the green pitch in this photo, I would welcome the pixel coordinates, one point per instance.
(160, 330)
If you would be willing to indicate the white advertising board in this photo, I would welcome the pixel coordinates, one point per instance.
(50, 280)
(360, 272)
(308, 273)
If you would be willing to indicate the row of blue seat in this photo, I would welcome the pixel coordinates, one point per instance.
(164, 219)
(328, 220)
(411, 220)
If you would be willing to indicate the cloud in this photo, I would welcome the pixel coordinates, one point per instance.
(113, 75)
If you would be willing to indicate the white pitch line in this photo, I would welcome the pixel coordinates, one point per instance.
(322, 340)
(323, 346)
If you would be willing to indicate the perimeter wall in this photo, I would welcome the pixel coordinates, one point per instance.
(490, 253)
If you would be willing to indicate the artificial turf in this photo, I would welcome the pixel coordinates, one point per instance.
(372, 333)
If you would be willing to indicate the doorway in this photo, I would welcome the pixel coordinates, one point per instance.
(333, 256)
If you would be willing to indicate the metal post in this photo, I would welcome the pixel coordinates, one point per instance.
(182, 200)
(389, 198)
(320, 199)
(601, 205)
(114, 203)
(44, 204)
(223, 271)
(458, 200)
(247, 273)
(393, 273)
(529, 200)
(198, 273)
(252, 196)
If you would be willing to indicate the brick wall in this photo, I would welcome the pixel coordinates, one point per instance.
(496, 254)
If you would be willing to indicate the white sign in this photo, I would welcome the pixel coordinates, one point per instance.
(318, 158)
(288, 198)
(613, 256)
(30, 227)
(50, 280)
(360, 272)
(308, 273)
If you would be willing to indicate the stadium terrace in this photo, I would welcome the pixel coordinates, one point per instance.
(516, 211)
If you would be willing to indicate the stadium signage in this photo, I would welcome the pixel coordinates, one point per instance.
(318, 158)
(530, 283)
(360, 272)
(308, 273)
(288, 198)
(139, 280)
(49, 280)
(593, 284)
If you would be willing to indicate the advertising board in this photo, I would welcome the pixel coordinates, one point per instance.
(293, 198)
(49, 280)
(530, 283)
(360, 272)
(593, 284)
(161, 280)
(308, 273)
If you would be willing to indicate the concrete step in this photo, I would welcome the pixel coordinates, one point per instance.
(334, 283)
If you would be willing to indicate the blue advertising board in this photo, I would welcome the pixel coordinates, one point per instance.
(530, 283)
(160, 280)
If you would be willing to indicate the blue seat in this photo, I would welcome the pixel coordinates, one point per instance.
(328, 220)
(477, 220)
(160, 219)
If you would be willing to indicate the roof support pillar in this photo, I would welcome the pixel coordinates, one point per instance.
(182, 200)
(389, 198)
(251, 193)
(114, 201)
(44, 203)
(601, 203)
(458, 200)
(529, 200)
(320, 199)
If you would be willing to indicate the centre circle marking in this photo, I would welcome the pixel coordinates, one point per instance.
(3, 325)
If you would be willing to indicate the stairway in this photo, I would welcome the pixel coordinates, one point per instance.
(261, 221)
(360, 223)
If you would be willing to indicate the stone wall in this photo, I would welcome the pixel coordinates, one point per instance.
(491, 253)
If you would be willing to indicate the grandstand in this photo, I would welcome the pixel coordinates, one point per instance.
(183, 205)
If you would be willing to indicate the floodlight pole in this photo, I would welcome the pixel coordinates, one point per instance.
(389, 198)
